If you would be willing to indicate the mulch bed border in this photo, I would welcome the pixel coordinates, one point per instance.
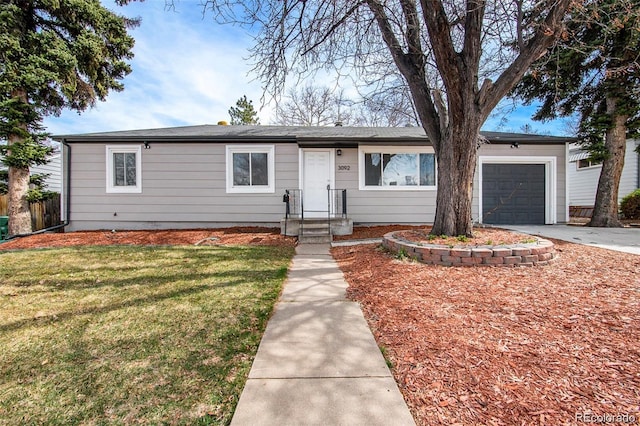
(541, 252)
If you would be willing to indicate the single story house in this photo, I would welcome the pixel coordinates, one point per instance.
(212, 176)
(583, 175)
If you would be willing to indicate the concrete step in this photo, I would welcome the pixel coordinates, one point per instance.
(314, 239)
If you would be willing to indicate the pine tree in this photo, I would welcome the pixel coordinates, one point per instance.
(243, 113)
(53, 55)
(594, 72)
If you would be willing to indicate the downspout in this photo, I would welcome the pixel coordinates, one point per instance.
(638, 169)
(67, 199)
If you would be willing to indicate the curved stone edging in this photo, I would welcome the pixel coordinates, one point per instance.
(541, 252)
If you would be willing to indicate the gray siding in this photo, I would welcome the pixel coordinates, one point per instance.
(392, 206)
(584, 182)
(183, 186)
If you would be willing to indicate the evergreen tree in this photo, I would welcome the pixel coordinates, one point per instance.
(594, 71)
(53, 55)
(243, 113)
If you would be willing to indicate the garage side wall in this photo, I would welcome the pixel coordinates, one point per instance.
(522, 153)
(183, 186)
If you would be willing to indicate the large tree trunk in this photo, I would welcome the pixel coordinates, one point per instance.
(605, 210)
(457, 161)
(18, 206)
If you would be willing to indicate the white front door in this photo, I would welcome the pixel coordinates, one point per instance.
(317, 173)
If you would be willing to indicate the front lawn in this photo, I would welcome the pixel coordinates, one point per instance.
(126, 334)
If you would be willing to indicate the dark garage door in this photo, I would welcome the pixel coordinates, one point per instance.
(513, 194)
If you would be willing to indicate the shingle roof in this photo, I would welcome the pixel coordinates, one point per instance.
(300, 134)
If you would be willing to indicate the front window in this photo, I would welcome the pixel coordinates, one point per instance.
(124, 169)
(250, 169)
(395, 168)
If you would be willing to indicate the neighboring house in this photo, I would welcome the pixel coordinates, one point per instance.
(206, 176)
(53, 168)
(583, 177)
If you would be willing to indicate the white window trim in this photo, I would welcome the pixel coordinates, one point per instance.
(589, 167)
(550, 177)
(117, 149)
(392, 149)
(247, 189)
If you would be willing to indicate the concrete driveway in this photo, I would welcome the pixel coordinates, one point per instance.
(620, 239)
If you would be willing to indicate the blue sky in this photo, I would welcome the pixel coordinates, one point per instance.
(189, 70)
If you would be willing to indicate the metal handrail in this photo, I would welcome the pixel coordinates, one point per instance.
(294, 205)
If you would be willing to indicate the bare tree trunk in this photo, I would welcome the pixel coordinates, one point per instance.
(18, 206)
(605, 210)
(456, 167)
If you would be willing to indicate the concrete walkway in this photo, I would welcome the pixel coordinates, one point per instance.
(318, 363)
(626, 240)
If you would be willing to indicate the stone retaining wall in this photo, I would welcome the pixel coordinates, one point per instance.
(541, 252)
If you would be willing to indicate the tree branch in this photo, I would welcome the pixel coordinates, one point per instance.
(491, 94)
(335, 26)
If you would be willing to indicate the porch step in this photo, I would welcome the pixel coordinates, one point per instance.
(315, 232)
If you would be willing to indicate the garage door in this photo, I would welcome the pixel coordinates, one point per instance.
(513, 194)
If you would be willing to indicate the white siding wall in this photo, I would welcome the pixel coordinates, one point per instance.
(183, 186)
(584, 182)
(54, 169)
(630, 173)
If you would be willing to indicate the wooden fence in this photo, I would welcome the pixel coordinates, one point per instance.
(44, 214)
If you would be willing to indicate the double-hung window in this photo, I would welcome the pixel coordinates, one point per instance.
(124, 169)
(397, 168)
(250, 169)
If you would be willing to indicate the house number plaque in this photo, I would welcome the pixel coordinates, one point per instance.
(344, 167)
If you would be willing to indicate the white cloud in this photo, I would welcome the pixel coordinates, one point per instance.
(187, 70)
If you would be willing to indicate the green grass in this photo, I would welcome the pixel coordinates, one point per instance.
(121, 335)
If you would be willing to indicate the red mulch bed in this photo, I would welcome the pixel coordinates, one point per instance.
(506, 346)
(235, 236)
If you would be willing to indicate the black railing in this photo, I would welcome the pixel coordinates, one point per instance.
(294, 205)
(337, 202)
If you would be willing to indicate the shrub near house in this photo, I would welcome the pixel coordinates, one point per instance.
(630, 205)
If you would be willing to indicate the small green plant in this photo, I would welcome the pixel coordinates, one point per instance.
(385, 354)
(462, 238)
(630, 205)
(489, 242)
(402, 254)
(431, 237)
(528, 240)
